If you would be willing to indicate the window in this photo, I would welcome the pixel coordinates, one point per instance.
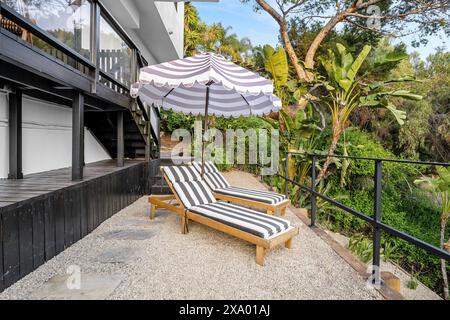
(67, 20)
(114, 54)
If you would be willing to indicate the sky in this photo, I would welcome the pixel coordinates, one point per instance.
(262, 28)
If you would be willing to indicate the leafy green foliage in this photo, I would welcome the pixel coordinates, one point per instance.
(347, 91)
(404, 206)
(412, 283)
(275, 62)
(171, 120)
(198, 36)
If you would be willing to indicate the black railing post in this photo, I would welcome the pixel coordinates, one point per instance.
(376, 220)
(286, 175)
(95, 43)
(313, 189)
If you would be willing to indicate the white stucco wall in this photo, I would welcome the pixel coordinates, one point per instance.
(172, 15)
(155, 27)
(47, 137)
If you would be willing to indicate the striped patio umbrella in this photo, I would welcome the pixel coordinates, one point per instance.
(206, 84)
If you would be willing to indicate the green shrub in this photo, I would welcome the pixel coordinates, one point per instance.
(171, 121)
(404, 207)
(412, 283)
(243, 123)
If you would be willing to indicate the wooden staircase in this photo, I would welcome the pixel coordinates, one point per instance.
(103, 125)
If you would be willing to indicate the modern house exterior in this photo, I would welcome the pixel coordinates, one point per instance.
(93, 48)
(74, 147)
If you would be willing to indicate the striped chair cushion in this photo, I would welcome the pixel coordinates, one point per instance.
(193, 193)
(251, 194)
(215, 180)
(245, 219)
(209, 166)
(181, 173)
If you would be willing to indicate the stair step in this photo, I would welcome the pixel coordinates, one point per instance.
(163, 191)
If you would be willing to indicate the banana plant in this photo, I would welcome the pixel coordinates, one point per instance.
(440, 186)
(298, 135)
(276, 64)
(348, 90)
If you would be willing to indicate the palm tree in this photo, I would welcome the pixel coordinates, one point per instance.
(198, 36)
(192, 29)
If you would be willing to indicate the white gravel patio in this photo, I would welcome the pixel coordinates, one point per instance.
(153, 260)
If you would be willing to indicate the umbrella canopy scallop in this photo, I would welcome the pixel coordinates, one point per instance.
(188, 85)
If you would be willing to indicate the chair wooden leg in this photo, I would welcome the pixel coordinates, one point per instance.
(152, 211)
(288, 244)
(184, 223)
(260, 253)
(283, 211)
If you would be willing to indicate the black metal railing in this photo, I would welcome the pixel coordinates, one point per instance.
(375, 221)
(111, 82)
(101, 71)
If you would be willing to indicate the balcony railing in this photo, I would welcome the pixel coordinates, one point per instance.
(105, 67)
(18, 25)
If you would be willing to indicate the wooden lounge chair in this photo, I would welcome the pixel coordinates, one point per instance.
(271, 202)
(193, 200)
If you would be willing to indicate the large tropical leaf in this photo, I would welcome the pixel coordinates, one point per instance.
(346, 59)
(329, 64)
(389, 57)
(358, 63)
(375, 100)
(444, 179)
(288, 122)
(405, 94)
(399, 115)
(275, 62)
(370, 101)
(345, 84)
(380, 84)
(271, 122)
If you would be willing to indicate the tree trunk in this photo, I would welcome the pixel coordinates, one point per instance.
(299, 70)
(444, 220)
(301, 73)
(311, 53)
(337, 131)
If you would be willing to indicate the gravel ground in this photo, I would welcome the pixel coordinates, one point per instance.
(204, 264)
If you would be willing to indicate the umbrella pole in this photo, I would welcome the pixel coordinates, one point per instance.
(205, 127)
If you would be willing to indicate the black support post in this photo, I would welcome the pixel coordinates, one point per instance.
(120, 140)
(15, 135)
(313, 189)
(376, 220)
(77, 136)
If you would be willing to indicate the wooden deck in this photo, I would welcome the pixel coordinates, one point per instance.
(45, 213)
(39, 184)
